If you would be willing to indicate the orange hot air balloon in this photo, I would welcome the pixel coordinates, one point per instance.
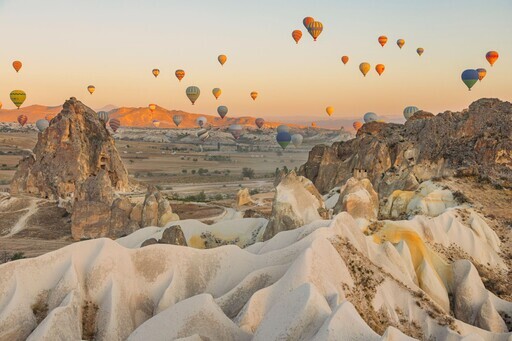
(315, 28)
(0, 105)
(17, 65)
(307, 20)
(364, 68)
(296, 35)
(357, 125)
(383, 40)
(254, 95)
(155, 72)
(313, 124)
(180, 74)
(329, 110)
(481, 73)
(344, 59)
(222, 59)
(22, 119)
(492, 57)
(400, 43)
(91, 89)
(380, 68)
(152, 107)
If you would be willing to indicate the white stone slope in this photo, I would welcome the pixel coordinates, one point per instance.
(324, 281)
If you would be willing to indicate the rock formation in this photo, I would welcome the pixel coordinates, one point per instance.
(474, 142)
(75, 146)
(243, 197)
(296, 203)
(359, 199)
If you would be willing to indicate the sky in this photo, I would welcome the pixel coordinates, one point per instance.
(65, 45)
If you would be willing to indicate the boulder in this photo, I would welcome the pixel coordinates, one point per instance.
(359, 199)
(173, 235)
(149, 241)
(296, 203)
(243, 197)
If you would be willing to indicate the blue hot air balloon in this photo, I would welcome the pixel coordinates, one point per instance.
(283, 138)
(469, 77)
(222, 110)
(370, 117)
(409, 111)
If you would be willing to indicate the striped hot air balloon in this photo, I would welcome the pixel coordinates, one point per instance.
(315, 28)
(296, 35)
(103, 116)
(383, 40)
(22, 120)
(193, 93)
(18, 97)
(177, 119)
(114, 124)
(179, 74)
(492, 57)
(236, 130)
(364, 68)
(409, 111)
(222, 111)
(259, 122)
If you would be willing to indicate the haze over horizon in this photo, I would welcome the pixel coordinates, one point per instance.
(115, 46)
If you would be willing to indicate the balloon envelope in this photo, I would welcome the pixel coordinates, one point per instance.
(344, 59)
(492, 57)
(156, 123)
(179, 74)
(152, 107)
(22, 119)
(177, 119)
(91, 89)
(201, 121)
(216, 92)
(283, 128)
(400, 43)
(469, 77)
(283, 138)
(254, 95)
(297, 139)
(114, 124)
(42, 125)
(383, 40)
(357, 125)
(329, 110)
(306, 21)
(17, 65)
(481, 73)
(155, 72)
(236, 130)
(364, 68)
(380, 68)
(18, 97)
(420, 51)
(370, 117)
(260, 122)
(315, 28)
(296, 35)
(409, 111)
(193, 93)
(103, 116)
(222, 59)
(222, 111)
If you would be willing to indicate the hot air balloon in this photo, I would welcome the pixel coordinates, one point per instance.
(216, 92)
(222, 59)
(344, 59)
(260, 122)
(236, 130)
(18, 97)
(329, 110)
(283, 138)
(296, 35)
(42, 125)
(254, 95)
(193, 93)
(91, 89)
(297, 139)
(203, 134)
(114, 124)
(492, 57)
(283, 128)
(481, 73)
(156, 123)
(383, 40)
(155, 72)
(313, 124)
(222, 111)
(306, 21)
(201, 121)
(0, 105)
(400, 43)
(152, 107)
(364, 68)
(469, 77)
(22, 119)
(16, 65)
(179, 74)
(357, 125)
(103, 116)
(177, 119)
(409, 111)
(370, 117)
(315, 28)
(380, 68)
(420, 51)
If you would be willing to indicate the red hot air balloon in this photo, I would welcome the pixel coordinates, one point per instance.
(344, 59)
(22, 119)
(307, 20)
(296, 35)
(260, 122)
(492, 57)
(114, 124)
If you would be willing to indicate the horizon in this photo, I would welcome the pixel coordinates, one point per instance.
(295, 82)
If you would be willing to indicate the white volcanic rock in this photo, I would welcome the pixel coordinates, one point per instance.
(359, 199)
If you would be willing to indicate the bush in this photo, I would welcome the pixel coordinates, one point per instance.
(193, 171)
(254, 191)
(194, 159)
(248, 172)
(184, 171)
(202, 171)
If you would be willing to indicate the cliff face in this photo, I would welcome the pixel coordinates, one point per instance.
(476, 141)
(74, 147)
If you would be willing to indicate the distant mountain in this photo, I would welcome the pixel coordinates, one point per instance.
(33, 113)
(107, 108)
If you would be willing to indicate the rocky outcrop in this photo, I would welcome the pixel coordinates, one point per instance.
(172, 235)
(359, 199)
(75, 147)
(243, 197)
(476, 141)
(296, 203)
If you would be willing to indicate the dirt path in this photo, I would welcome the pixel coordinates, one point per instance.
(22, 221)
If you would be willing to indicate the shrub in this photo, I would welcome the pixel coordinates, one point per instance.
(202, 171)
(248, 172)
(254, 191)
(184, 171)
(193, 171)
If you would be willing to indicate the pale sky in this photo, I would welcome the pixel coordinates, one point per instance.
(66, 45)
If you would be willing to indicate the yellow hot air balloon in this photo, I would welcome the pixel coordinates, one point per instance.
(155, 72)
(91, 89)
(18, 97)
(364, 68)
(329, 110)
(0, 105)
(17, 65)
(254, 95)
(193, 93)
(380, 68)
(216, 92)
(222, 59)
(315, 28)
(400, 43)
(152, 107)
(180, 74)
